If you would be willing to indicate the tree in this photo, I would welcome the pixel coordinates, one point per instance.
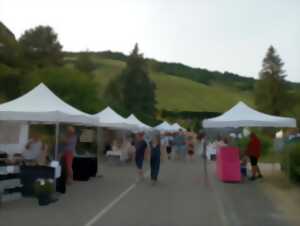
(11, 81)
(41, 46)
(271, 90)
(9, 48)
(85, 63)
(71, 85)
(136, 90)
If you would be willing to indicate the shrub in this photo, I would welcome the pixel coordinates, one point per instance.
(266, 144)
(42, 186)
(291, 161)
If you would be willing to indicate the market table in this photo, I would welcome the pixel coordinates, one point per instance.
(84, 167)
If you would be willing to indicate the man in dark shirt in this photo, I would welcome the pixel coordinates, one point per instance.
(140, 148)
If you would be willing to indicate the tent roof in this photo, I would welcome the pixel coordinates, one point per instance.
(109, 118)
(242, 115)
(134, 120)
(176, 126)
(42, 105)
(164, 126)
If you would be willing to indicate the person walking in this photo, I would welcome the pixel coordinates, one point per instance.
(169, 146)
(254, 151)
(182, 144)
(69, 149)
(190, 147)
(140, 147)
(155, 158)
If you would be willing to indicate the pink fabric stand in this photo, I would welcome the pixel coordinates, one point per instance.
(228, 164)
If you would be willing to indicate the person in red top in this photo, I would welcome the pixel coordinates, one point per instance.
(254, 151)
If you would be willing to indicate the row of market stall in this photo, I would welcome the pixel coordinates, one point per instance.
(41, 105)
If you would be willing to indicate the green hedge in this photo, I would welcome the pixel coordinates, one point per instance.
(291, 161)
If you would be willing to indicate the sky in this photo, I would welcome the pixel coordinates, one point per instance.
(221, 35)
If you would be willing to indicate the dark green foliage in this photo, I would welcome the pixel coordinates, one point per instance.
(271, 90)
(11, 81)
(9, 48)
(204, 76)
(291, 161)
(266, 143)
(113, 55)
(133, 89)
(189, 114)
(73, 86)
(41, 47)
(85, 63)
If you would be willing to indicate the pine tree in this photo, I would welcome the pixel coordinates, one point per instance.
(271, 90)
(138, 90)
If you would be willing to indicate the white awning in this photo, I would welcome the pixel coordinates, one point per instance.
(42, 105)
(164, 127)
(109, 118)
(135, 121)
(242, 115)
(177, 127)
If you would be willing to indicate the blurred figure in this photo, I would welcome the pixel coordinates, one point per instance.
(169, 145)
(164, 144)
(33, 150)
(190, 146)
(140, 149)
(202, 146)
(69, 149)
(180, 143)
(155, 158)
(254, 151)
(243, 166)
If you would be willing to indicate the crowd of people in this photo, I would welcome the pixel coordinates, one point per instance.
(164, 146)
(180, 145)
(186, 146)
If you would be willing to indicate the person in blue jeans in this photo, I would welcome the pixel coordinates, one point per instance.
(155, 158)
(140, 149)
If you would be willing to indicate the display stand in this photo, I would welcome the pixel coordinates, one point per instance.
(10, 183)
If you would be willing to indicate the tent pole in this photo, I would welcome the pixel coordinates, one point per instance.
(99, 148)
(56, 140)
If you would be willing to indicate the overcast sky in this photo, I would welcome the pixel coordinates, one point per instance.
(231, 35)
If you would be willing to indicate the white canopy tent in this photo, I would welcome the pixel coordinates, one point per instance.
(109, 118)
(177, 127)
(135, 121)
(242, 115)
(41, 105)
(164, 127)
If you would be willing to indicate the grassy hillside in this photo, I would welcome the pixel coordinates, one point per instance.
(175, 93)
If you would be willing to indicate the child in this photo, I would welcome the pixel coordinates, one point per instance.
(243, 164)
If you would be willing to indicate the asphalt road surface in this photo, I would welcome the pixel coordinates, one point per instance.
(183, 196)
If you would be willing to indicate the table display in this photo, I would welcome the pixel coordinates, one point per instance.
(10, 183)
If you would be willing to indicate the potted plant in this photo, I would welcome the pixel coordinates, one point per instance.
(44, 189)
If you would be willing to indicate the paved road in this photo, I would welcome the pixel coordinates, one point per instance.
(186, 197)
(182, 197)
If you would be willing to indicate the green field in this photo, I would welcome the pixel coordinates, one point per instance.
(175, 93)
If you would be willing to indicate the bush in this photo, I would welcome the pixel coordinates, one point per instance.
(291, 161)
(266, 144)
(42, 186)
